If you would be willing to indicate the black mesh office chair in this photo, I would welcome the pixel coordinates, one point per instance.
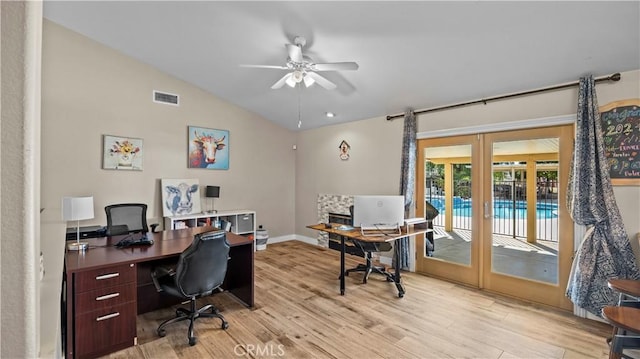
(368, 248)
(127, 218)
(201, 270)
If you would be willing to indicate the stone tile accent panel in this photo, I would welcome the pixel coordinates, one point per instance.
(334, 203)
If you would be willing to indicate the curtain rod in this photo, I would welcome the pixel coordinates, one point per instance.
(614, 77)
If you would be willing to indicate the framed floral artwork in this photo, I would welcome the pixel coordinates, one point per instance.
(122, 153)
(208, 148)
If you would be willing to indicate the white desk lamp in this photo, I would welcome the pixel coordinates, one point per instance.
(77, 209)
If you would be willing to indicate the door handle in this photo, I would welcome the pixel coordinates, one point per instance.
(487, 210)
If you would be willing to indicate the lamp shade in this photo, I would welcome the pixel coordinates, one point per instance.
(77, 208)
(212, 192)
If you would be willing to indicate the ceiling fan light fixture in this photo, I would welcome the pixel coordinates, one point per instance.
(297, 76)
(301, 68)
(290, 81)
(308, 81)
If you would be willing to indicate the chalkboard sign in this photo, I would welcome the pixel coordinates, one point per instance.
(621, 130)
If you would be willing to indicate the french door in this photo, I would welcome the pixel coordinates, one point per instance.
(502, 223)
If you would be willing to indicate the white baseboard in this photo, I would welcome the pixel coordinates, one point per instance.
(305, 239)
(294, 237)
(388, 261)
(281, 239)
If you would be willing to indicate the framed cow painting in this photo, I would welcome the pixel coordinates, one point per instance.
(208, 148)
(180, 197)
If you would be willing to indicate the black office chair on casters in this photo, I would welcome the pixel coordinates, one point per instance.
(368, 248)
(201, 270)
(125, 218)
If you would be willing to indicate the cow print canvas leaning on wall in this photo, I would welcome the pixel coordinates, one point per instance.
(208, 148)
(180, 197)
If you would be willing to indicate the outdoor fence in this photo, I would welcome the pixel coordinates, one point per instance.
(509, 209)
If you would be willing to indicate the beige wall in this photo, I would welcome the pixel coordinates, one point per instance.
(90, 90)
(374, 166)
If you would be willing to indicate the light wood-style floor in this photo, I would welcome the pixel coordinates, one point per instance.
(299, 313)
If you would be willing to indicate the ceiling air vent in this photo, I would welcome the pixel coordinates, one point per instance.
(166, 98)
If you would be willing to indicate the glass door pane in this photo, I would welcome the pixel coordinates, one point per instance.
(448, 189)
(446, 170)
(525, 229)
(527, 236)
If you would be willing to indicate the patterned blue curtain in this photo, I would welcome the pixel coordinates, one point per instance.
(407, 178)
(605, 251)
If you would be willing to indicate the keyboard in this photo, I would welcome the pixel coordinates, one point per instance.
(129, 241)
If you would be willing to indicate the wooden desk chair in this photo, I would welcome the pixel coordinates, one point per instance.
(626, 326)
(201, 271)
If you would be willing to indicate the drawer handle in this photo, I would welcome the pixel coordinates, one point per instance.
(108, 316)
(108, 296)
(107, 276)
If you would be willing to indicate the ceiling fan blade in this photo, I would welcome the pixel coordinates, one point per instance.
(295, 52)
(281, 82)
(322, 81)
(335, 66)
(266, 67)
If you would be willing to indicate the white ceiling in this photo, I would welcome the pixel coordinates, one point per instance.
(411, 54)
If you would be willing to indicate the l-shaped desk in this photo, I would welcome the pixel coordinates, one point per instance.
(355, 234)
(106, 287)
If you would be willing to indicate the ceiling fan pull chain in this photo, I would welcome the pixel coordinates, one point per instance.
(299, 117)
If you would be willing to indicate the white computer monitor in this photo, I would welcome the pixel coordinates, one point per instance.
(372, 211)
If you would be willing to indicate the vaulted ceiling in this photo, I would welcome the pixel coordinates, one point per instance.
(410, 54)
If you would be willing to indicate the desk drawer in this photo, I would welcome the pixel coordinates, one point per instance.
(105, 277)
(103, 329)
(103, 298)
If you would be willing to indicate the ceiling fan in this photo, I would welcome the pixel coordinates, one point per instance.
(303, 69)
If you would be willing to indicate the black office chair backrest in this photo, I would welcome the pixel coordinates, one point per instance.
(126, 218)
(203, 265)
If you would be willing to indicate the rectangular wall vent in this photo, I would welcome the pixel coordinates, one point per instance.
(166, 98)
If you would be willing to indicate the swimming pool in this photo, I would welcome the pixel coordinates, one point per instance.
(503, 209)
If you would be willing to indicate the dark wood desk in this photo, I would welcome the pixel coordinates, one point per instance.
(355, 234)
(106, 287)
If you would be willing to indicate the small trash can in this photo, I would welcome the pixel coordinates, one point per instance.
(262, 236)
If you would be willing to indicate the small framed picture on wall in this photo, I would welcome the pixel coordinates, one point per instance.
(122, 153)
(208, 148)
